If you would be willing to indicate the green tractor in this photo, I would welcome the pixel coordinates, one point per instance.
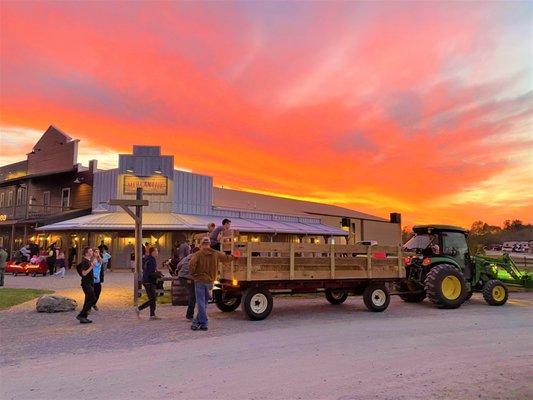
(439, 266)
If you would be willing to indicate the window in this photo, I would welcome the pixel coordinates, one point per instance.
(65, 198)
(46, 201)
(10, 198)
(455, 241)
(2, 198)
(21, 196)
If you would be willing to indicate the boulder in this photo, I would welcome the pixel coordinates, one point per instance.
(51, 304)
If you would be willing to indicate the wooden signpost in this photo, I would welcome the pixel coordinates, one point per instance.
(137, 216)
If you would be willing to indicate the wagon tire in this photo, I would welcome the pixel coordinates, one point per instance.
(227, 304)
(416, 297)
(336, 296)
(376, 297)
(257, 303)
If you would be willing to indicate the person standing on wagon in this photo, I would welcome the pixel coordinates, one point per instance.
(217, 234)
(203, 267)
(85, 270)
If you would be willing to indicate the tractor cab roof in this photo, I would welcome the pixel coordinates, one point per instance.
(437, 228)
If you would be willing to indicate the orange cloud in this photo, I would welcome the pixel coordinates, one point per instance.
(379, 107)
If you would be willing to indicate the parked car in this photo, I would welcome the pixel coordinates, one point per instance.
(508, 247)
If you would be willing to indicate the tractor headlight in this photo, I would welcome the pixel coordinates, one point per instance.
(426, 261)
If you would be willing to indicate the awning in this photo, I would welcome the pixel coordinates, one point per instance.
(120, 221)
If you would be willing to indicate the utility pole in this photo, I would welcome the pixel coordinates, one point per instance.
(137, 216)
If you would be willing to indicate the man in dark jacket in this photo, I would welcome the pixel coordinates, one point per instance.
(85, 270)
(149, 281)
(203, 269)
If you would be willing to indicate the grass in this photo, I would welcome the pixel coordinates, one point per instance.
(165, 299)
(10, 297)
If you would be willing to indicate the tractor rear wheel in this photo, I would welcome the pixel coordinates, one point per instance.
(336, 296)
(445, 286)
(495, 293)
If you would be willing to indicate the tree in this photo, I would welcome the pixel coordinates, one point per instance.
(406, 234)
(516, 225)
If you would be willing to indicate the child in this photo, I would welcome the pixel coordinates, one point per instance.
(61, 264)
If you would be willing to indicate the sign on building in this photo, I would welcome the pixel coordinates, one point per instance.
(150, 185)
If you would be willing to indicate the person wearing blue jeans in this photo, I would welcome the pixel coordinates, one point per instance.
(203, 267)
(202, 291)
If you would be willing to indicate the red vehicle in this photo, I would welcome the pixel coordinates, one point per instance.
(34, 269)
(16, 269)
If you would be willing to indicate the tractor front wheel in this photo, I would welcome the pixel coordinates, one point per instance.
(495, 293)
(445, 286)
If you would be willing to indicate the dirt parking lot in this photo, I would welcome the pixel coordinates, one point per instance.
(307, 349)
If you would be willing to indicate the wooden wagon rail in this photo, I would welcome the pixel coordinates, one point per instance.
(297, 261)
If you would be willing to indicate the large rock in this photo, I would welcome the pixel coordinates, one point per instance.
(51, 304)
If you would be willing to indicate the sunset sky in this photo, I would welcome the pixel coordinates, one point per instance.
(420, 108)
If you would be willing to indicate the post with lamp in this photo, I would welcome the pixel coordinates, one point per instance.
(137, 216)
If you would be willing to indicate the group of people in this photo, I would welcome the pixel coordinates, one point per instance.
(91, 270)
(196, 269)
(55, 257)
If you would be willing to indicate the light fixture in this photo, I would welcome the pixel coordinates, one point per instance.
(158, 171)
(129, 170)
(78, 180)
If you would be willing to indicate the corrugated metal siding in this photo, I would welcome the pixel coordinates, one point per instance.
(146, 165)
(146, 150)
(105, 187)
(385, 233)
(192, 193)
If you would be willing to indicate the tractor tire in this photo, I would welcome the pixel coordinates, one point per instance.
(336, 296)
(469, 295)
(445, 286)
(495, 293)
(227, 304)
(257, 303)
(376, 297)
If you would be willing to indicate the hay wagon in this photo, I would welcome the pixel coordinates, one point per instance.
(267, 269)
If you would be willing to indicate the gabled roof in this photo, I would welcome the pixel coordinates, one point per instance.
(54, 132)
(228, 198)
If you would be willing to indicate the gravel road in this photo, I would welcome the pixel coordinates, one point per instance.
(307, 349)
